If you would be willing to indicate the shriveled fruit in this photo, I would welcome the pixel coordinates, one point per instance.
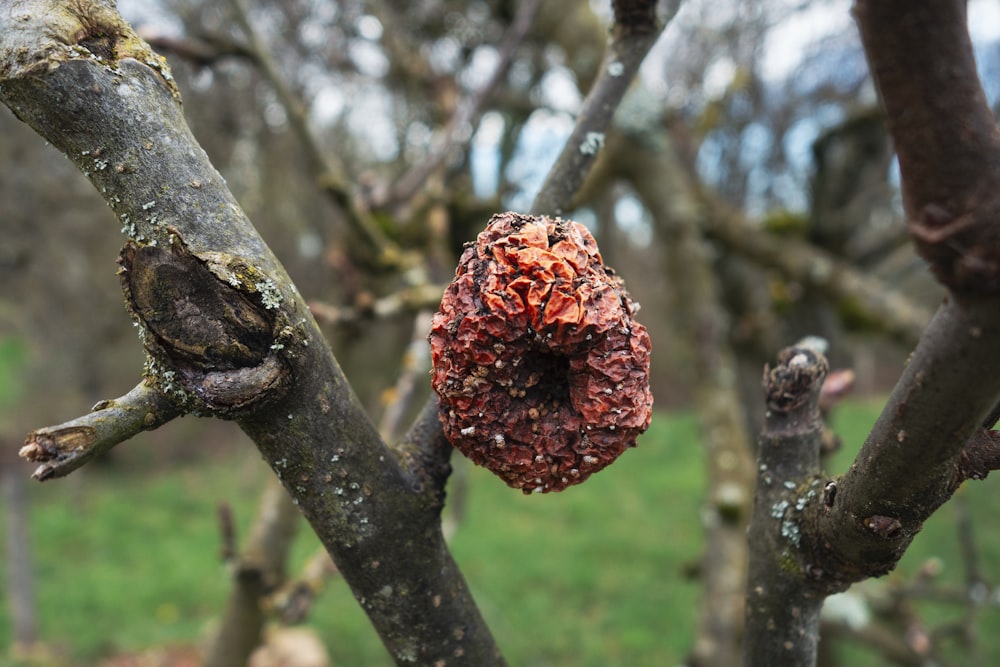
(542, 374)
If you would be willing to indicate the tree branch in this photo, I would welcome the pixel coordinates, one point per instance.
(636, 30)
(662, 186)
(923, 445)
(927, 440)
(82, 79)
(258, 571)
(459, 127)
(946, 138)
(64, 448)
(329, 172)
(886, 308)
(406, 300)
(294, 602)
(723, 430)
(782, 622)
(202, 51)
(412, 375)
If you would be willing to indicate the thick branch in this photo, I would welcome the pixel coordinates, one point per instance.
(64, 448)
(782, 623)
(925, 443)
(879, 304)
(82, 79)
(927, 439)
(945, 135)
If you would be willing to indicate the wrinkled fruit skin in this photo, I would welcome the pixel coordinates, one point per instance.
(542, 374)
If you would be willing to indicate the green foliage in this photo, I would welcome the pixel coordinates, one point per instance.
(592, 576)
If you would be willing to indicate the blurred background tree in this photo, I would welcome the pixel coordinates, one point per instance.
(758, 119)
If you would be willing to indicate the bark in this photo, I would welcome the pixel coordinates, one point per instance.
(825, 534)
(945, 135)
(913, 459)
(83, 80)
(782, 622)
(949, 147)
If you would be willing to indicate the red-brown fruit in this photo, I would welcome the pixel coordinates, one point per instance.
(542, 373)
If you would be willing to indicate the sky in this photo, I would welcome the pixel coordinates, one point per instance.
(790, 38)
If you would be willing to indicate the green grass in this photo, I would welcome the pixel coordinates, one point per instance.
(13, 357)
(127, 556)
(592, 576)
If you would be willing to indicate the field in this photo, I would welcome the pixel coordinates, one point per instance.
(127, 557)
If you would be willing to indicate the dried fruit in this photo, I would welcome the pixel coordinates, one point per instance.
(542, 374)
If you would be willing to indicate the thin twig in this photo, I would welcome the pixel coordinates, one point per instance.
(459, 128)
(416, 363)
(407, 300)
(330, 173)
(64, 448)
(629, 45)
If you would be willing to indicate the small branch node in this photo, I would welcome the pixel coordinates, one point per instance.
(885, 527)
(64, 448)
(960, 249)
(798, 376)
(980, 456)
